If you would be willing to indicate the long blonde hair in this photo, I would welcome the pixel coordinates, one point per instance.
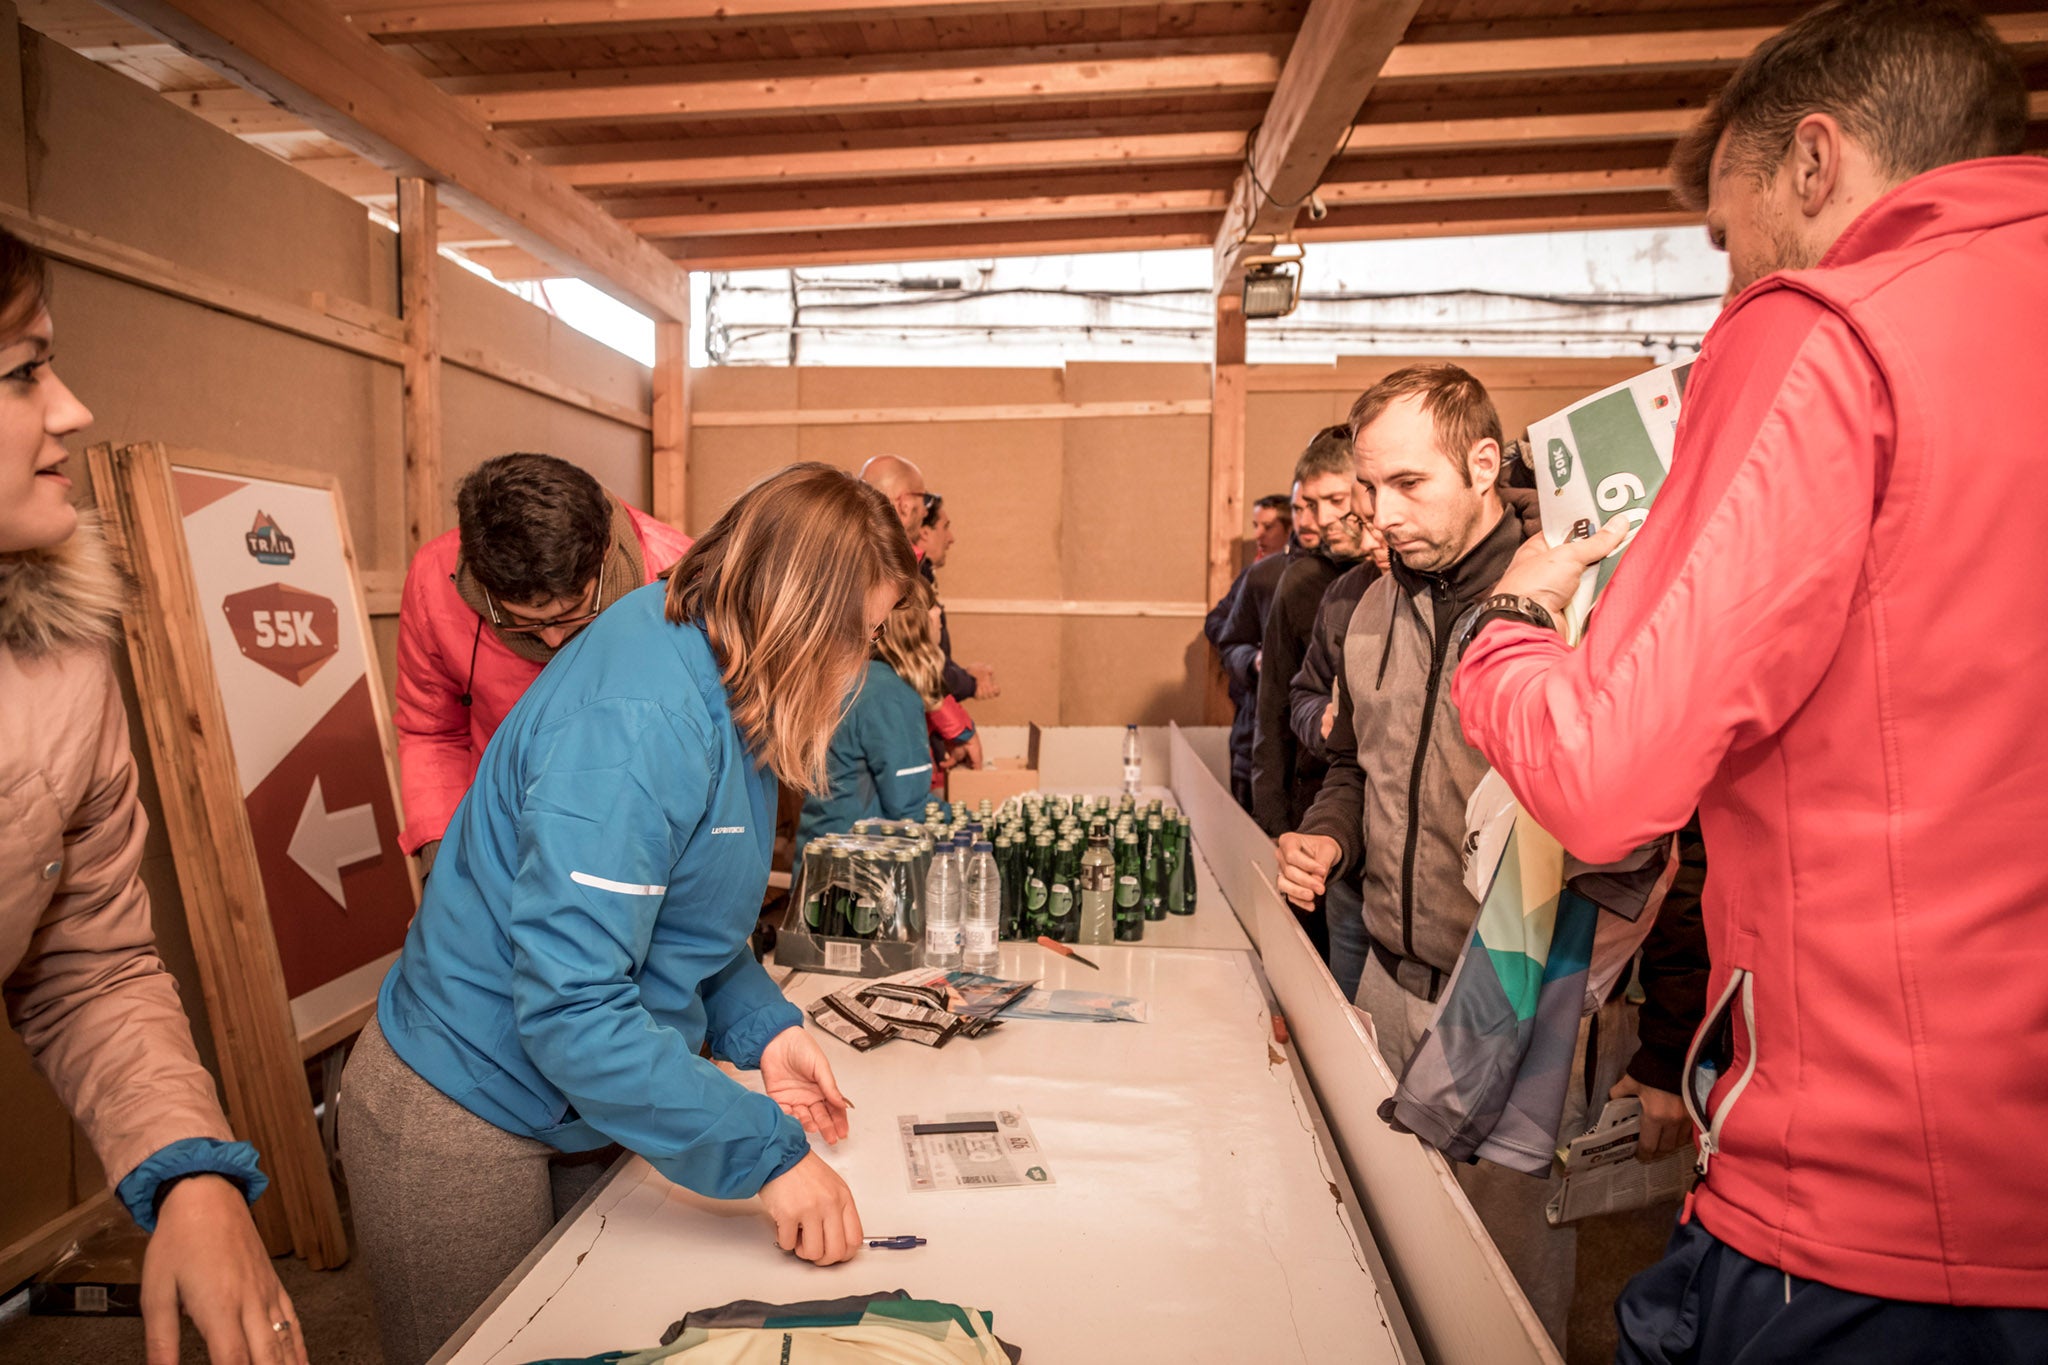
(909, 645)
(779, 584)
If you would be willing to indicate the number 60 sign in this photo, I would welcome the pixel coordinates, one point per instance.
(1606, 456)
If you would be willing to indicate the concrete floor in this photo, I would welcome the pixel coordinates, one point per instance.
(334, 1307)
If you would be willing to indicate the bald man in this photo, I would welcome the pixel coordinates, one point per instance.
(902, 483)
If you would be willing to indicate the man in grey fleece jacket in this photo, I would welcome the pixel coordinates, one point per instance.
(1392, 808)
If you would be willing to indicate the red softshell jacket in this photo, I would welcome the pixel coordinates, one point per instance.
(1832, 634)
(440, 741)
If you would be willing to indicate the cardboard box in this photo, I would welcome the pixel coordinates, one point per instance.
(1009, 768)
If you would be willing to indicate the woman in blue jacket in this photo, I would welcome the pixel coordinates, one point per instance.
(880, 763)
(585, 930)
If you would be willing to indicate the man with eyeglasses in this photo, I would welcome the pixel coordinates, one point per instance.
(539, 549)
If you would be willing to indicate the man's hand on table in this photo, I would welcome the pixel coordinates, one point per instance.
(1305, 861)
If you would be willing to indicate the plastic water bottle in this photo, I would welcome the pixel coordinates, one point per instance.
(1131, 763)
(943, 894)
(984, 911)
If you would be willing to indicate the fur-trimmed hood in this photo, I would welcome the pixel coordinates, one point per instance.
(70, 594)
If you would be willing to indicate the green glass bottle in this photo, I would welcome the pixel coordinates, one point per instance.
(1038, 885)
(1130, 912)
(1060, 902)
(1152, 880)
(1187, 866)
(1174, 871)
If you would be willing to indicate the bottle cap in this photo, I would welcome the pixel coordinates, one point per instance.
(983, 846)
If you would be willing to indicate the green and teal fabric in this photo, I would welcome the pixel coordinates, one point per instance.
(1488, 1079)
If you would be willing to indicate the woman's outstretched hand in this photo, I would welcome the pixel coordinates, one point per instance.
(795, 1074)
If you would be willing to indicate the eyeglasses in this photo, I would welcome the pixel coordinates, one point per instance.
(506, 625)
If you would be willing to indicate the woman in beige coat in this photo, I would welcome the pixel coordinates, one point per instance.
(84, 986)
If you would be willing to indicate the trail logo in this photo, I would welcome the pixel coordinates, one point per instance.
(268, 543)
(287, 630)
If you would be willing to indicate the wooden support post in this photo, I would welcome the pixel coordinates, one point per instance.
(1226, 462)
(420, 303)
(670, 473)
(13, 111)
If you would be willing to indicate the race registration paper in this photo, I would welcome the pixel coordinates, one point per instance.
(1008, 1157)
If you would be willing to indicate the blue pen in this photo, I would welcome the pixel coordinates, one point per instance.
(895, 1243)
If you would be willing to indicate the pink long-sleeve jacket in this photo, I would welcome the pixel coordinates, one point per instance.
(1832, 635)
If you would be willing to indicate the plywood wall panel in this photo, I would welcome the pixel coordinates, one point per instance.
(725, 461)
(1001, 482)
(1131, 671)
(478, 314)
(483, 418)
(1135, 508)
(898, 386)
(155, 368)
(1026, 653)
(111, 157)
(1278, 427)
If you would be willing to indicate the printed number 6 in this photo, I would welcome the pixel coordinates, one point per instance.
(1616, 491)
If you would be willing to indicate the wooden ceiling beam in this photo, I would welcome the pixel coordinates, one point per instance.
(1342, 46)
(1041, 238)
(408, 20)
(308, 60)
(921, 80)
(1142, 233)
(1119, 194)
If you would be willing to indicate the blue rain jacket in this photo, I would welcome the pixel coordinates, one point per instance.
(585, 929)
(879, 765)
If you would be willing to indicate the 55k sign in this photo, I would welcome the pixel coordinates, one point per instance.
(287, 630)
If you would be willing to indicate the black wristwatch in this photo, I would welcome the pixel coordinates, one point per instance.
(1499, 607)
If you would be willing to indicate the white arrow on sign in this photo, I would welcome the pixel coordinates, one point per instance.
(324, 842)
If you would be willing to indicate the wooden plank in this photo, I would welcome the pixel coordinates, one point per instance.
(1644, 52)
(404, 20)
(204, 814)
(1000, 412)
(105, 257)
(922, 80)
(1054, 237)
(1353, 374)
(308, 60)
(670, 430)
(477, 361)
(34, 1252)
(381, 590)
(1466, 218)
(1335, 59)
(1020, 606)
(13, 116)
(419, 285)
(1098, 194)
(901, 153)
(1120, 193)
(1226, 441)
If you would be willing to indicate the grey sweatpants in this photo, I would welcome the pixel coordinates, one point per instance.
(1544, 1259)
(445, 1204)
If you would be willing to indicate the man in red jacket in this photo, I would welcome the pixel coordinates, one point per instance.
(538, 551)
(1829, 636)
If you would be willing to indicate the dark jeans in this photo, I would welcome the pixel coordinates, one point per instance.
(1346, 909)
(1706, 1303)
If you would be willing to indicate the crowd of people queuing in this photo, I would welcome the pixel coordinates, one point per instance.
(1815, 675)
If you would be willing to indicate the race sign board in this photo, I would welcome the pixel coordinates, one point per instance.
(1605, 456)
(278, 597)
